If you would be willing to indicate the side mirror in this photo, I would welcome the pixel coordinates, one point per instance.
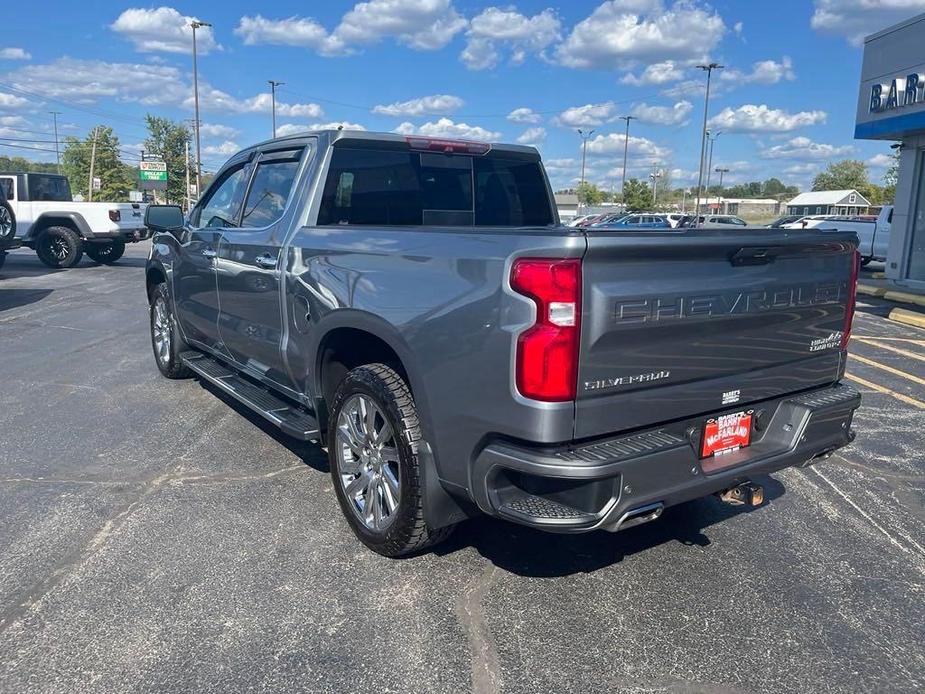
(164, 217)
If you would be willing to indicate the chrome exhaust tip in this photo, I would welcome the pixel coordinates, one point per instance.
(637, 516)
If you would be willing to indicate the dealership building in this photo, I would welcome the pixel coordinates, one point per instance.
(891, 106)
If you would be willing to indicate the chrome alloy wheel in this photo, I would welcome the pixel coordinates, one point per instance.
(367, 461)
(6, 222)
(160, 330)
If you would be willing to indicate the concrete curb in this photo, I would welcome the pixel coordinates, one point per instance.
(871, 291)
(901, 315)
(905, 298)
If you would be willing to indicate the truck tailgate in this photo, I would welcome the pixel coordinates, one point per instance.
(704, 321)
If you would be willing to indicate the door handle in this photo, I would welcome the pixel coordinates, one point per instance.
(209, 253)
(265, 261)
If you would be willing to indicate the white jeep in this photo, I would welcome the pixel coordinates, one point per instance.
(60, 230)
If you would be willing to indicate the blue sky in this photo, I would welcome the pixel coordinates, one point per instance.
(529, 71)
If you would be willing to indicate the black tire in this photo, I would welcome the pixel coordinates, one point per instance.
(105, 252)
(407, 531)
(7, 221)
(59, 247)
(167, 360)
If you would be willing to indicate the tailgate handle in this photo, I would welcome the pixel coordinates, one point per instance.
(753, 256)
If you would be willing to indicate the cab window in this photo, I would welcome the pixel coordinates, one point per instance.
(270, 189)
(6, 189)
(222, 203)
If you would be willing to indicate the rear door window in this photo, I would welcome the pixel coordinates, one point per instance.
(6, 188)
(408, 188)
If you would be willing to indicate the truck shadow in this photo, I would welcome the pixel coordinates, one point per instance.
(533, 553)
(24, 263)
(14, 298)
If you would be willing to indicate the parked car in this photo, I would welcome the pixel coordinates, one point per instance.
(874, 236)
(786, 219)
(721, 220)
(8, 239)
(60, 230)
(608, 219)
(674, 219)
(636, 221)
(568, 380)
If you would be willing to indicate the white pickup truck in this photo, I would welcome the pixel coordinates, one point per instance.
(59, 230)
(874, 234)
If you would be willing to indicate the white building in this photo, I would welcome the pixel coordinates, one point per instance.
(843, 202)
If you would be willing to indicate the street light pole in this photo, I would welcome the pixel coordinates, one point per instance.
(703, 134)
(720, 170)
(584, 149)
(197, 24)
(273, 85)
(55, 115)
(626, 142)
(655, 175)
(712, 140)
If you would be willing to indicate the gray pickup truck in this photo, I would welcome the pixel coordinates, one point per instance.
(415, 305)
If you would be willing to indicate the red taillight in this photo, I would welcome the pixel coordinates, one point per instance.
(115, 215)
(852, 300)
(547, 352)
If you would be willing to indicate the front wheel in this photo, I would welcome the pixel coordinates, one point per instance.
(59, 247)
(373, 450)
(106, 252)
(166, 340)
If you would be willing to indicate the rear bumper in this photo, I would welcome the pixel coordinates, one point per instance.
(127, 235)
(600, 484)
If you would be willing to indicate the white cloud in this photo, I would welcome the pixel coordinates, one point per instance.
(763, 72)
(448, 129)
(620, 32)
(801, 169)
(524, 115)
(10, 121)
(523, 34)
(855, 19)
(438, 104)
(881, 161)
(587, 116)
(802, 148)
(293, 128)
(212, 99)
(737, 28)
(162, 29)
(14, 54)
(638, 146)
(752, 118)
(689, 88)
(655, 73)
(218, 131)
(419, 24)
(532, 136)
(226, 149)
(663, 115)
(11, 101)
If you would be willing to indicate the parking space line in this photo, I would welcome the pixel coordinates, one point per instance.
(888, 339)
(870, 519)
(886, 391)
(905, 353)
(890, 369)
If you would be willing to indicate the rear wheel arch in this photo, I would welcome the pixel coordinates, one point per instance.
(154, 276)
(71, 220)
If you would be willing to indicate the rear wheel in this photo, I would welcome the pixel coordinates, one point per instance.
(106, 252)
(166, 340)
(59, 247)
(373, 449)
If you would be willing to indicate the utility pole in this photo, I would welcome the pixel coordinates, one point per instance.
(273, 85)
(584, 149)
(92, 164)
(703, 134)
(720, 170)
(188, 199)
(55, 115)
(655, 175)
(626, 142)
(712, 142)
(197, 24)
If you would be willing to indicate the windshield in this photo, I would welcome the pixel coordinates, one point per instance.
(407, 188)
(54, 188)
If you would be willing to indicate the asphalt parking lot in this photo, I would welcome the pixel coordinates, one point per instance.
(155, 537)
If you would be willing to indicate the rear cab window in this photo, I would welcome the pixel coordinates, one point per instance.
(395, 187)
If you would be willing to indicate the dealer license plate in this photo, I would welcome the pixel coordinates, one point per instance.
(726, 434)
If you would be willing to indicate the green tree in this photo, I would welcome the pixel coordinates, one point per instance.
(843, 175)
(890, 177)
(23, 165)
(590, 194)
(773, 187)
(167, 141)
(638, 195)
(115, 176)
